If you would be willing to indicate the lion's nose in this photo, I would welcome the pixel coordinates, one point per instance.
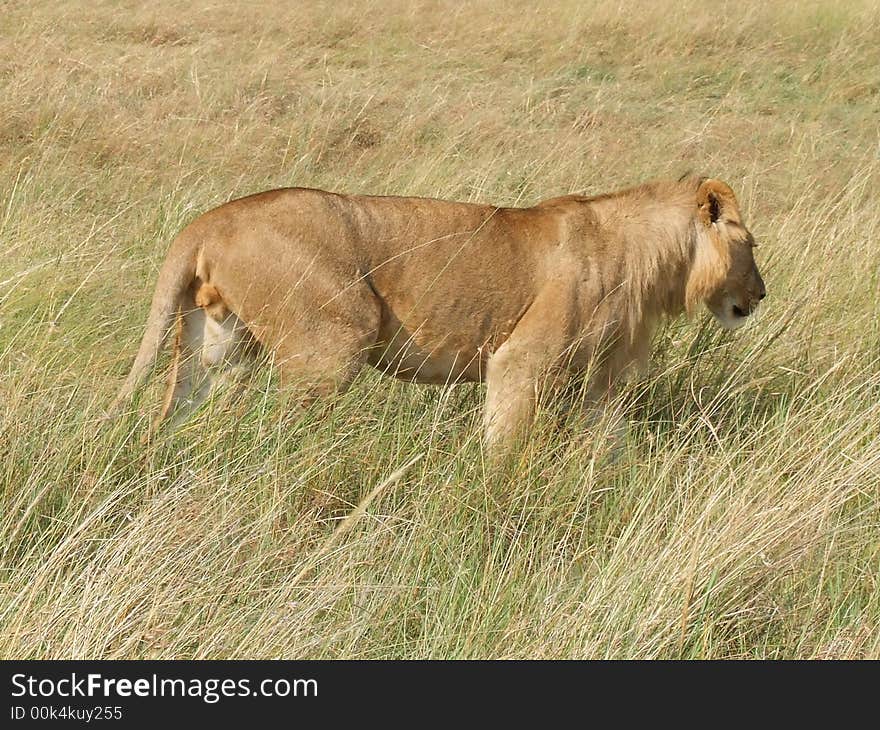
(762, 294)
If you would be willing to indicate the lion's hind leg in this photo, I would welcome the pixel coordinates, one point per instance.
(322, 349)
(214, 349)
(312, 372)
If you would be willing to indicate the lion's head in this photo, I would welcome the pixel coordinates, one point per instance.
(724, 274)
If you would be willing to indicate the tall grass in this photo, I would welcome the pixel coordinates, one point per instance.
(740, 518)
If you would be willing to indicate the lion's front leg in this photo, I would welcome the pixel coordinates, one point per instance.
(598, 407)
(530, 364)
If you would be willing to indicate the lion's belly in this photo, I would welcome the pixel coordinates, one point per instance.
(429, 354)
(401, 356)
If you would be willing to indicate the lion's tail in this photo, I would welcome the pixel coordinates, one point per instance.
(175, 277)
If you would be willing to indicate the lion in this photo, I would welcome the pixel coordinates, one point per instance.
(526, 300)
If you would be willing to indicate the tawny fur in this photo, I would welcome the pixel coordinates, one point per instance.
(434, 291)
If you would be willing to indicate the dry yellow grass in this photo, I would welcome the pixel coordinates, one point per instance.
(742, 518)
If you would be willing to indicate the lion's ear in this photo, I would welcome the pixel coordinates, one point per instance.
(716, 202)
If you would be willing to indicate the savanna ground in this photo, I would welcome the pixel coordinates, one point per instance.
(741, 517)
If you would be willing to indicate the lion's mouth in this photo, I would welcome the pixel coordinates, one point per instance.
(739, 312)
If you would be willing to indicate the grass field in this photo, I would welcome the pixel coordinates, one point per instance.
(740, 519)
